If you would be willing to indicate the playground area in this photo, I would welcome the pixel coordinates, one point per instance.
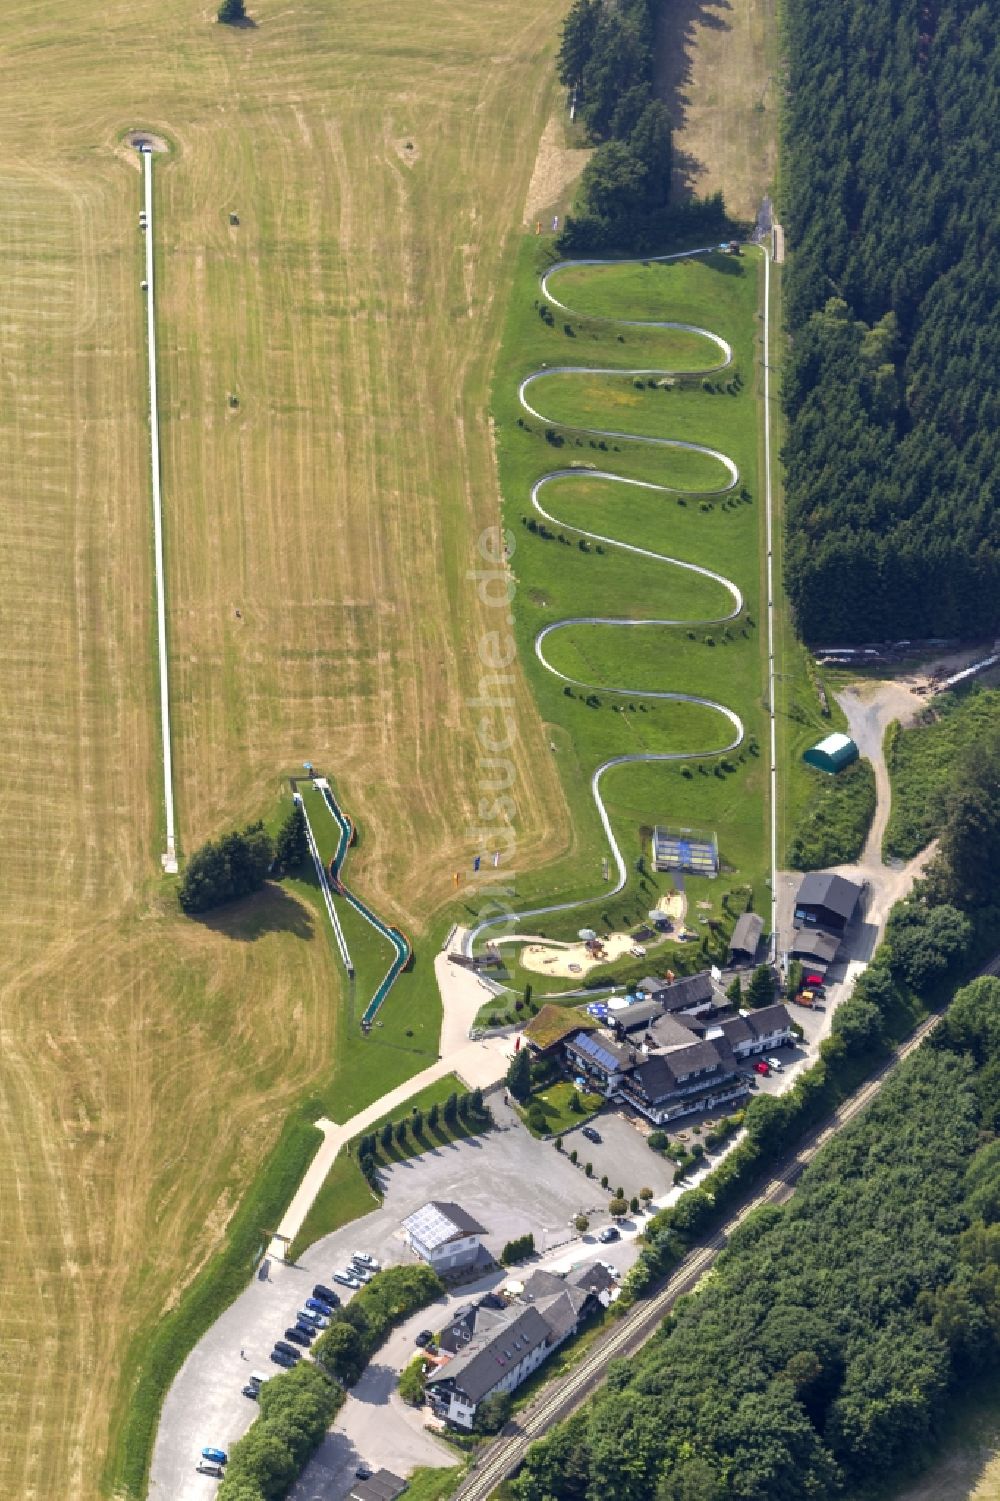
(570, 960)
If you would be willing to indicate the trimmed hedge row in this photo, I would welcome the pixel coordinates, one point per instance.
(296, 1409)
(360, 1326)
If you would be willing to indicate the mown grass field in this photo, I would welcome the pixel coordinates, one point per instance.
(377, 161)
(555, 578)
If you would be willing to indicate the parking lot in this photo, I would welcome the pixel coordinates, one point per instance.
(506, 1179)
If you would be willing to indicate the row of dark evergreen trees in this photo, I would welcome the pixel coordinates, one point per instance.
(606, 60)
(225, 869)
(891, 159)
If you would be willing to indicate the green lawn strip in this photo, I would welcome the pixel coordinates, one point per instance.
(407, 1030)
(708, 287)
(554, 1104)
(157, 1353)
(432, 1485)
(921, 763)
(726, 538)
(835, 823)
(345, 1194)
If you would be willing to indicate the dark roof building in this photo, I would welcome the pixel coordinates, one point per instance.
(599, 1057)
(699, 1077)
(746, 938)
(814, 947)
(382, 1486)
(693, 993)
(636, 1018)
(826, 900)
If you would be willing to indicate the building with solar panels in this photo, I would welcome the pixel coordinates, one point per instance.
(689, 851)
(444, 1236)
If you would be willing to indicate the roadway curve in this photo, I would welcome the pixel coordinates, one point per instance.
(732, 479)
(562, 1397)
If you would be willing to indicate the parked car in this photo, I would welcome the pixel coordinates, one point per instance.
(289, 1350)
(316, 1305)
(424, 1338)
(346, 1279)
(760, 1067)
(363, 1273)
(204, 1468)
(591, 1134)
(326, 1295)
(280, 1358)
(366, 1260)
(815, 982)
(608, 1234)
(317, 1320)
(362, 1473)
(215, 1456)
(776, 1064)
(251, 1391)
(298, 1335)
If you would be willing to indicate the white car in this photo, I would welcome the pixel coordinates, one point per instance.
(363, 1259)
(776, 1064)
(346, 1279)
(317, 1320)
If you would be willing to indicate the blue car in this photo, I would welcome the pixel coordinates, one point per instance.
(316, 1306)
(215, 1456)
(280, 1358)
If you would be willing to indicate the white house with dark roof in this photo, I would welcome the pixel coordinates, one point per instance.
(498, 1345)
(444, 1236)
(703, 1076)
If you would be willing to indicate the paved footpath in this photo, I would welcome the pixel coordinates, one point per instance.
(477, 1064)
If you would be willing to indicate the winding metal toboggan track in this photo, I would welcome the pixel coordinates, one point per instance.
(626, 622)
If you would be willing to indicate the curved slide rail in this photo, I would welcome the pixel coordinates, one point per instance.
(623, 622)
(402, 950)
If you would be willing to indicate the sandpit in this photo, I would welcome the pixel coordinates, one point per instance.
(571, 961)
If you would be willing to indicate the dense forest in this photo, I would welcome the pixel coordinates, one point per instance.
(821, 1352)
(891, 158)
(606, 63)
(929, 764)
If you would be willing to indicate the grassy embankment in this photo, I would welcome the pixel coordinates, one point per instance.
(921, 762)
(557, 579)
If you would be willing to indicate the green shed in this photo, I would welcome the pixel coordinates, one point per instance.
(832, 754)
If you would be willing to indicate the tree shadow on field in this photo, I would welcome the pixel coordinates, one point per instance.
(270, 910)
(679, 21)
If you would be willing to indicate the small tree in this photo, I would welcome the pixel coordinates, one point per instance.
(734, 991)
(633, 1204)
(292, 846)
(558, 1143)
(476, 1102)
(619, 1193)
(417, 1122)
(646, 1195)
(386, 1136)
(232, 12)
(411, 1382)
(604, 1180)
(573, 1155)
(464, 1106)
(401, 1132)
(519, 1076)
(760, 991)
(450, 1111)
(588, 1168)
(575, 1103)
(493, 1412)
(582, 1223)
(618, 1207)
(432, 1117)
(340, 1352)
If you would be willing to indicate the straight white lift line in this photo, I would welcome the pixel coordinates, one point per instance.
(169, 858)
